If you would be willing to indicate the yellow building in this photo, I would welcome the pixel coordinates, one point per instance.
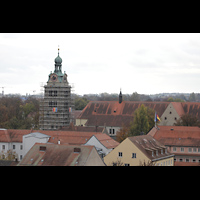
(140, 150)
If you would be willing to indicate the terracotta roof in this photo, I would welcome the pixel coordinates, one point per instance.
(191, 108)
(177, 135)
(177, 163)
(71, 137)
(12, 135)
(178, 107)
(147, 144)
(71, 127)
(107, 141)
(114, 113)
(57, 155)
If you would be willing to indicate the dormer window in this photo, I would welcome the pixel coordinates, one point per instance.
(161, 151)
(166, 150)
(152, 153)
(156, 152)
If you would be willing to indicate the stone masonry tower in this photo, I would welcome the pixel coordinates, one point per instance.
(56, 107)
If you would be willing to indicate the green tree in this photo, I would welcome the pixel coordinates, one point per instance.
(80, 103)
(140, 122)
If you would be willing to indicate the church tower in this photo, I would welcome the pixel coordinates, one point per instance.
(56, 107)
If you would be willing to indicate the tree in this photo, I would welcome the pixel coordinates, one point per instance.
(192, 97)
(135, 97)
(80, 103)
(188, 120)
(140, 122)
(122, 134)
(143, 121)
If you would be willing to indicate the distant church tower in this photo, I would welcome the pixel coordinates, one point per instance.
(55, 108)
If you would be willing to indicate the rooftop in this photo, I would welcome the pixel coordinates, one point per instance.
(177, 135)
(115, 113)
(57, 155)
(152, 148)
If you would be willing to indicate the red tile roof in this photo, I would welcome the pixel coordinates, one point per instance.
(65, 137)
(114, 113)
(147, 144)
(107, 141)
(57, 155)
(177, 135)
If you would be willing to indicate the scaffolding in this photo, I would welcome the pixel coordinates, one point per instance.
(56, 107)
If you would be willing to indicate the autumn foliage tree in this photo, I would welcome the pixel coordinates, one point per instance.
(188, 120)
(18, 114)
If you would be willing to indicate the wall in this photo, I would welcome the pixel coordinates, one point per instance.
(94, 159)
(94, 142)
(28, 142)
(127, 148)
(80, 122)
(168, 117)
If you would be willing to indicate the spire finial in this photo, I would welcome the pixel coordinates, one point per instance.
(58, 49)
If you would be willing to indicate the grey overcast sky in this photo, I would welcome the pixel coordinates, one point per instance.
(146, 63)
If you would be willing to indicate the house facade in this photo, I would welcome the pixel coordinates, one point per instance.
(140, 150)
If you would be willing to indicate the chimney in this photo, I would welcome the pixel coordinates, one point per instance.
(42, 148)
(120, 96)
(58, 141)
(77, 150)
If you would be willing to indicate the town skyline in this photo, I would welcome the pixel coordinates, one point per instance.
(146, 63)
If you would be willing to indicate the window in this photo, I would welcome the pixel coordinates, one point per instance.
(187, 160)
(198, 150)
(21, 147)
(180, 159)
(166, 150)
(152, 153)
(161, 151)
(126, 164)
(113, 131)
(110, 130)
(182, 149)
(165, 118)
(156, 152)
(193, 160)
(13, 146)
(190, 149)
(3, 147)
(174, 148)
(120, 154)
(21, 157)
(133, 155)
(194, 150)
(170, 112)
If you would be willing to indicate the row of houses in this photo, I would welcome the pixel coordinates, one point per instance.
(16, 144)
(162, 146)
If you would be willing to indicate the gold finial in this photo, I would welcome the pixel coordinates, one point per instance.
(58, 49)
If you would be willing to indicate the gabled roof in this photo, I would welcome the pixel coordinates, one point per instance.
(106, 141)
(57, 155)
(114, 113)
(177, 135)
(148, 144)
